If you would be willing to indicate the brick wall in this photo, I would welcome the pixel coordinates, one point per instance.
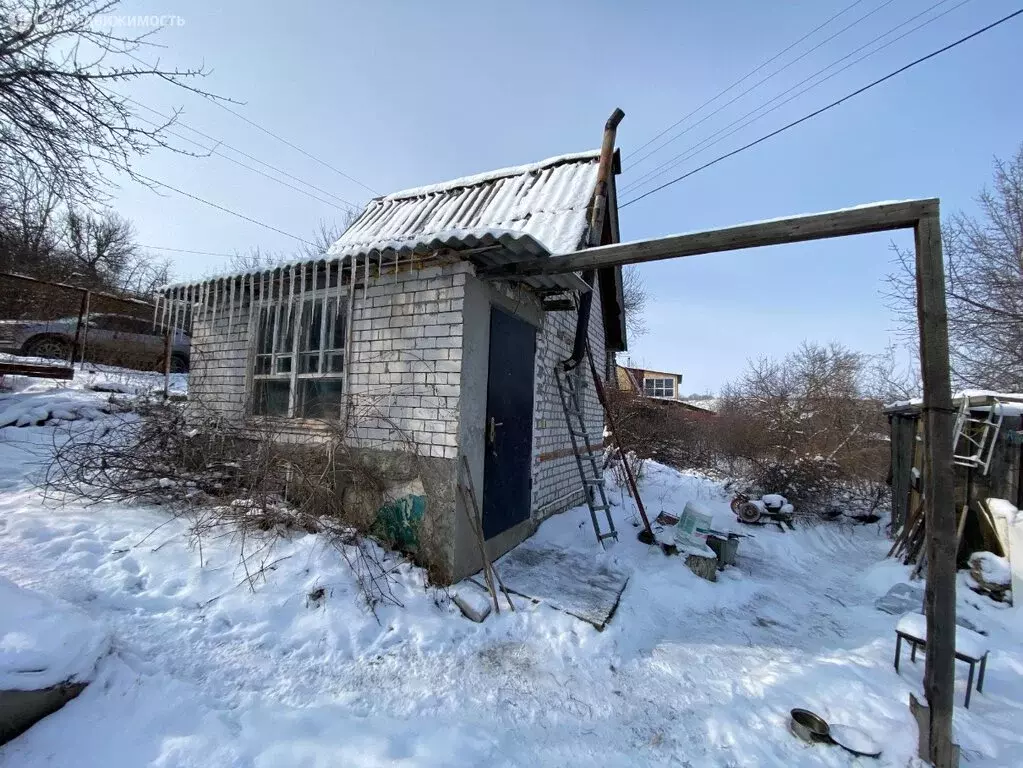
(406, 359)
(404, 374)
(403, 364)
(219, 361)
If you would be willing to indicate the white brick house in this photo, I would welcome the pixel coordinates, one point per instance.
(397, 331)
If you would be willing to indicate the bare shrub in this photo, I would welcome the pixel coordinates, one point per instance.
(662, 430)
(228, 479)
(809, 427)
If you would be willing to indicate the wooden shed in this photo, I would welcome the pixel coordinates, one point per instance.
(987, 444)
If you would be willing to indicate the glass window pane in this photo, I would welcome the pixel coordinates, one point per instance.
(263, 364)
(270, 397)
(284, 364)
(335, 362)
(309, 362)
(337, 338)
(319, 398)
(264, 333)
(659, 387)
(286, 329)
(334, 337)
(309, 328)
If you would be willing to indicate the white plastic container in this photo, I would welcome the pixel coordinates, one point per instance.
(694, 526)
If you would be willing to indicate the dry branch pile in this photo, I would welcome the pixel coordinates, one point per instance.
(228, 480)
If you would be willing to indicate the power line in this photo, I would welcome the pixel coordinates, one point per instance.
(763, 80)
(186, 250)
(225, 210)
(703, 144)
(745, 77)
(223, 143)
(297, 148)
(813, 114)
(267, 131)
(213, 150)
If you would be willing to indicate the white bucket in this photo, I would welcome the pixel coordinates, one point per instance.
(694, 526)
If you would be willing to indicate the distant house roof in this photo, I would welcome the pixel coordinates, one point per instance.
(537, 209)
(709, 404)
(636, 375)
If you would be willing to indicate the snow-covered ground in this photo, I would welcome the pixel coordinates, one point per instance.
(208, 669)
(43, 641)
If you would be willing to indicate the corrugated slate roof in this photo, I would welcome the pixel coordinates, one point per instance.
(498, 217)
(542, 204)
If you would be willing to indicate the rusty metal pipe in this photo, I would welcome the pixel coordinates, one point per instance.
(597, 214)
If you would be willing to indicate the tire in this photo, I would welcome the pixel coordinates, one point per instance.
(50, 347)
(748, 513)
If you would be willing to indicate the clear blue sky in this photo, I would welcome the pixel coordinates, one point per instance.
(398, 94)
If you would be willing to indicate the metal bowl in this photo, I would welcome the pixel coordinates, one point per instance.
(808, 726)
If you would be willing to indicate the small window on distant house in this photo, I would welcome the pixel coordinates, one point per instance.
(299, 358)
(659, 387)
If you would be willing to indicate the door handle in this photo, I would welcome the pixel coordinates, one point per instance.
(492, 431)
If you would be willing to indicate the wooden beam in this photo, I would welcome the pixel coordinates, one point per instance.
(879, 217)
(939, 499)
(38, 371)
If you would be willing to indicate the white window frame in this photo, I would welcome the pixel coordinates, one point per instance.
(659, 386)
(290, 309)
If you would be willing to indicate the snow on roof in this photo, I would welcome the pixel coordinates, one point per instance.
(712, 404)
(1010, 403)
(546, 201)
(487, 176)
(530, 210)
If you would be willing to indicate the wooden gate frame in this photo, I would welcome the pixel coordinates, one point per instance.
(922, 216)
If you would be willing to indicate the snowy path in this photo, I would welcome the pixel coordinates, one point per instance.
(206, 672)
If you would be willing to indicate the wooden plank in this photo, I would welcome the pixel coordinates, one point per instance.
(879, 217)
(903, 439)
(940, 597)
(38, 371)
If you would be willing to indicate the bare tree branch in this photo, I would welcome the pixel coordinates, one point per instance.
(59, 118)
(984, 284)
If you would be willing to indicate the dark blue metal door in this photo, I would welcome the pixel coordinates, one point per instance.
(509, 426)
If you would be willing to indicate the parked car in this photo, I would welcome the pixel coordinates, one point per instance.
(111, 338)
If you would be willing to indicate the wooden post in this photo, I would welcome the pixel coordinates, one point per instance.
(939, 500)
(85, 330)
(166, 364)
(83, 311)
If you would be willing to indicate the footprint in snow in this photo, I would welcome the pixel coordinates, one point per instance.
(173, 588)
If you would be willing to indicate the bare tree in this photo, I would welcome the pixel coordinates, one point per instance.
(59, 117)
(984, 284)
(635, 295)
(100, 251)
(28, 208)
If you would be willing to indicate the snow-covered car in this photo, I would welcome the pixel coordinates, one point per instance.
(111, 338)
